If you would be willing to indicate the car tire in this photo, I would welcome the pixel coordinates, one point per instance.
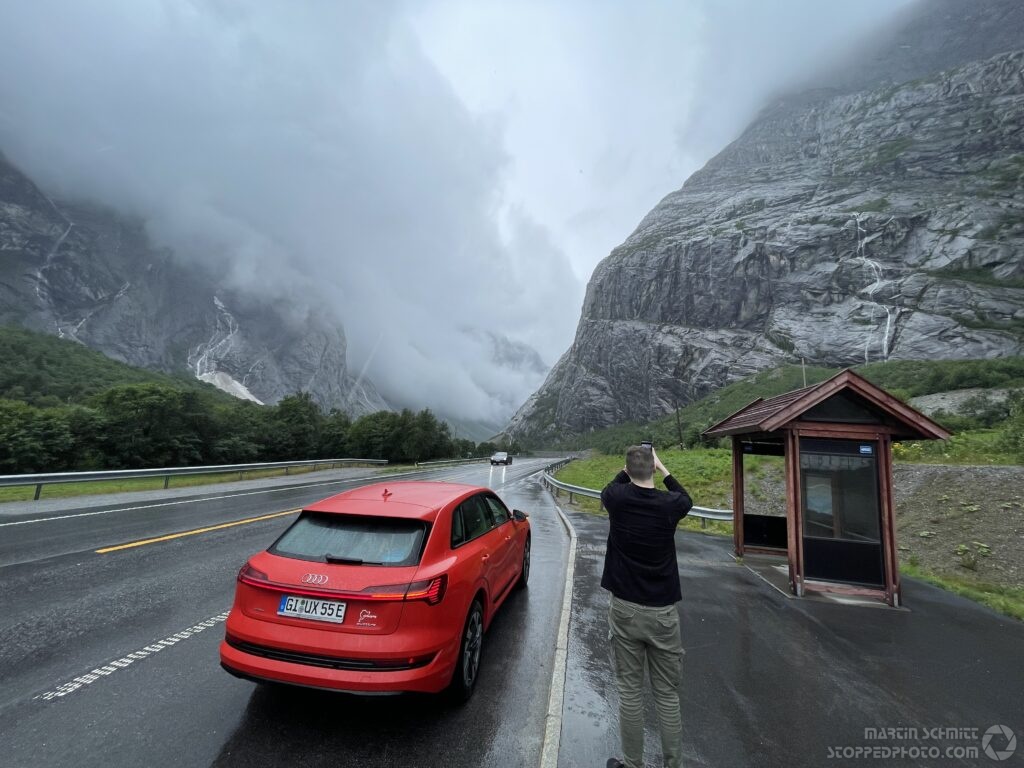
(467, 667)
(524, 574)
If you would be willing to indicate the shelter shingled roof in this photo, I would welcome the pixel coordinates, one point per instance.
(773, 413)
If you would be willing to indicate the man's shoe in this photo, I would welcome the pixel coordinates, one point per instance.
(614, 762)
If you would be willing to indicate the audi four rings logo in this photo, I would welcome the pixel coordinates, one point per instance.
(314, 578)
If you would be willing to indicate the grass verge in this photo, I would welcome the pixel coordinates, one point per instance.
(1008, 601)
(705, 473)
(974, 447)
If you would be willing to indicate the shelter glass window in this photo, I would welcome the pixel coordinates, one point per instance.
(839, 489)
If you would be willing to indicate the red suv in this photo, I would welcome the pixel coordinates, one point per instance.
(384, 588)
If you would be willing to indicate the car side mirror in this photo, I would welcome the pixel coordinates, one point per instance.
(520, 516)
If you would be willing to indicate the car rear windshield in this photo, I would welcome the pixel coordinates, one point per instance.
(350, 539)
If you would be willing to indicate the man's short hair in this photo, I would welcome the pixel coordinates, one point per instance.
(639, 462)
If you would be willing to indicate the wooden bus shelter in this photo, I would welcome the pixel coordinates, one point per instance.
(839, 530)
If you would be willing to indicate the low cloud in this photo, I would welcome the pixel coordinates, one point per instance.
(417, 169)
(308, 150)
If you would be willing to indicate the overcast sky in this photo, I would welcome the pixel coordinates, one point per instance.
(424, 169)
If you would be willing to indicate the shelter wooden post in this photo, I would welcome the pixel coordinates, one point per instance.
(737, 496)
(794, 541)
(892, 570)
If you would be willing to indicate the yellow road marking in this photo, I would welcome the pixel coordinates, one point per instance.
(170, 536)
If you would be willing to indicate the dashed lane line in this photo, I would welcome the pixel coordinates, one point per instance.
(193, 532)
(126, 661)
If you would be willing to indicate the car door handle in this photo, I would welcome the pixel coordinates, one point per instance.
(485, 557)
(508, 538)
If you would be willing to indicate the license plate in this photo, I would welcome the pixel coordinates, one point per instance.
(308, 608)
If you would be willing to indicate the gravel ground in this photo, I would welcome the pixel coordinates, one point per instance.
(962, 520)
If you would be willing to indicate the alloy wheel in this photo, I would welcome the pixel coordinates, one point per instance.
(471, 648)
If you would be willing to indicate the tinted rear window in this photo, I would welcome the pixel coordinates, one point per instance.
(373, 540)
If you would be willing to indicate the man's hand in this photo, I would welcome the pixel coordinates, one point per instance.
(657, 463)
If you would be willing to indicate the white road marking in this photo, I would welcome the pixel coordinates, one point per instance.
(125, 661)
(553, 725)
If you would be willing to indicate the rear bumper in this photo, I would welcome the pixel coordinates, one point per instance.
(431, 677)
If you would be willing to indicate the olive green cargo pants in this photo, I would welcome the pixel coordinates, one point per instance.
(644, 636)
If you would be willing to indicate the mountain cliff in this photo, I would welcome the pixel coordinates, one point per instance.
(86, 273)
(879, 218)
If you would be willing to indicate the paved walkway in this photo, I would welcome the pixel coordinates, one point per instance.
(775, 681)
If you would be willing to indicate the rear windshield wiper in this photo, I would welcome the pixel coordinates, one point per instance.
(349, 560)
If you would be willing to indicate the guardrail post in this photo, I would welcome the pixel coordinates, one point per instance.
(167, 480)
(286, 470)
(570, 497)
(703, 522)
(39, 489)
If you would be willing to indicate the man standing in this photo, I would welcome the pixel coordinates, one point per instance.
(641, 573)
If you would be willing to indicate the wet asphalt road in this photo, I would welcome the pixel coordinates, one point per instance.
(65, 610)
(773, 681)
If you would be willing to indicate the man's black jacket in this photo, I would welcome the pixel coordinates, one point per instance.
(640, 564)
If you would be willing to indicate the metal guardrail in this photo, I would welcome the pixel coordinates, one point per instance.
(444, 462)
(39, 480)
(555, 485)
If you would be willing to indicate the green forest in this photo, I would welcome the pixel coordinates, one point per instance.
(64, 407)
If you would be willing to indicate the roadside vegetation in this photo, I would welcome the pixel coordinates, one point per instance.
(64, 408)
(1006, 600)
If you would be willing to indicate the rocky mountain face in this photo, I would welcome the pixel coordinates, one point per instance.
(846, 225)
(88, 274)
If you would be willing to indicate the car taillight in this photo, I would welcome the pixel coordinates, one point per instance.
(254, 576)
(430, 590)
